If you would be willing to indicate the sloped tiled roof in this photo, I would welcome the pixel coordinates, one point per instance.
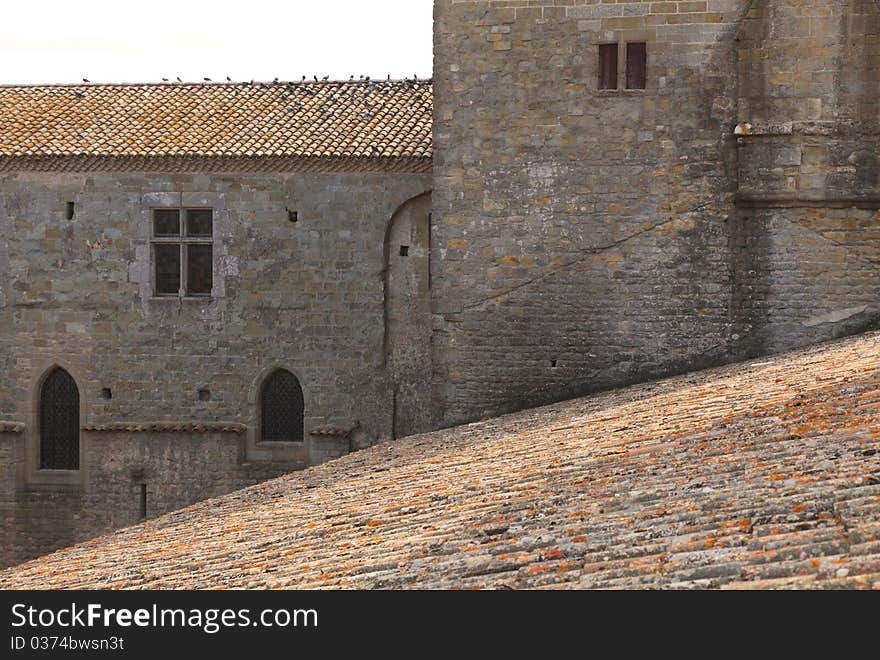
(383, 125)
(764, 474)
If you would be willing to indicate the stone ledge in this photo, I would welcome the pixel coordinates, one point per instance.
(168, 427)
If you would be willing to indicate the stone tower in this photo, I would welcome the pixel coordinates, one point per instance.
(596, 226)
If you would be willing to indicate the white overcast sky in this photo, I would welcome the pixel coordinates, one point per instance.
(63, 41)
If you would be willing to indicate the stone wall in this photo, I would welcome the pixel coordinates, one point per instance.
(307, 296)
(591, 238)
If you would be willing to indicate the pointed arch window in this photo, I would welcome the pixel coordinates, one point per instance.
(59, 422)
(281, 408)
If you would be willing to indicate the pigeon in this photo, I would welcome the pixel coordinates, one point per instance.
(179, 80)
(325, 78)
(164, 79)
(206, 79)
(351, 78)
(228, 79)
(316, 78)
(303, 79)
(85, 80)
(275, 81)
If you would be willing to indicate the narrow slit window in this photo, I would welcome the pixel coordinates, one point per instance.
(607, 66)
(636, 66)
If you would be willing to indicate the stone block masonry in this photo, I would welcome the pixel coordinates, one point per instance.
(590, 237)
(307, 296)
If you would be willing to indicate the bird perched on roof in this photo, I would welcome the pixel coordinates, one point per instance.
(275, 80)
(206, 79)
(389, 77)
(316, 78)
(78, 95)
(352, 77)
(228, 79)
(85, 80)
(303, 79)
(179, 80)
(325, 78)
(164, 79)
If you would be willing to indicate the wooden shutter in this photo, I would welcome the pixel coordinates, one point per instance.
(607, 66)
(636, 66)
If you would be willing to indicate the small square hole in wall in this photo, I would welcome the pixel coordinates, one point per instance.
(204, 395)
(404, 250)
(292, 216)
(106, 393)
(69, 210)
(553, 364)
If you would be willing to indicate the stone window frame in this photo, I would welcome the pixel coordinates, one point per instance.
(182, 241)
(622, 41)
(257, 450)
(142, 270)
(35, 475)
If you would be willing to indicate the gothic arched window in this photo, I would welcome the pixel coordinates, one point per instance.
(59, 422)
(281, 408)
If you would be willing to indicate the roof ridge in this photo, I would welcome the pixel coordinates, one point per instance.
(217, 83)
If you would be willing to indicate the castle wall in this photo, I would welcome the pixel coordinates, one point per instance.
(589, 238)
(583, 233)
(307, 296)
(808, 177)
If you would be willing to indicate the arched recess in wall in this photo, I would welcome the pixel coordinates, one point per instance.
(408, 314)
(282, 408)
(59, 422)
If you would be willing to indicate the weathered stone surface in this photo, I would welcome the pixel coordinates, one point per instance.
(307, 296)
(589, 238)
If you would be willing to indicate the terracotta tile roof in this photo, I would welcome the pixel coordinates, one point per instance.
(758, 475)
(380, 124)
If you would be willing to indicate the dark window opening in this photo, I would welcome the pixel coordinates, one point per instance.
(553, 364)
(106, 393)
(166, 222)
(292, 216)
(199, 270)
(636, 66)
(59, 422)
(404, 250)
(183, 252)
(204, 395)
(199, 222)
(68, 210)
(281, 408)
(143, 501)
(167, 270)
(607, 66)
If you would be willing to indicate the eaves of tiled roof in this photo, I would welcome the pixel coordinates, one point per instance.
(764, 474)
(332, 126)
